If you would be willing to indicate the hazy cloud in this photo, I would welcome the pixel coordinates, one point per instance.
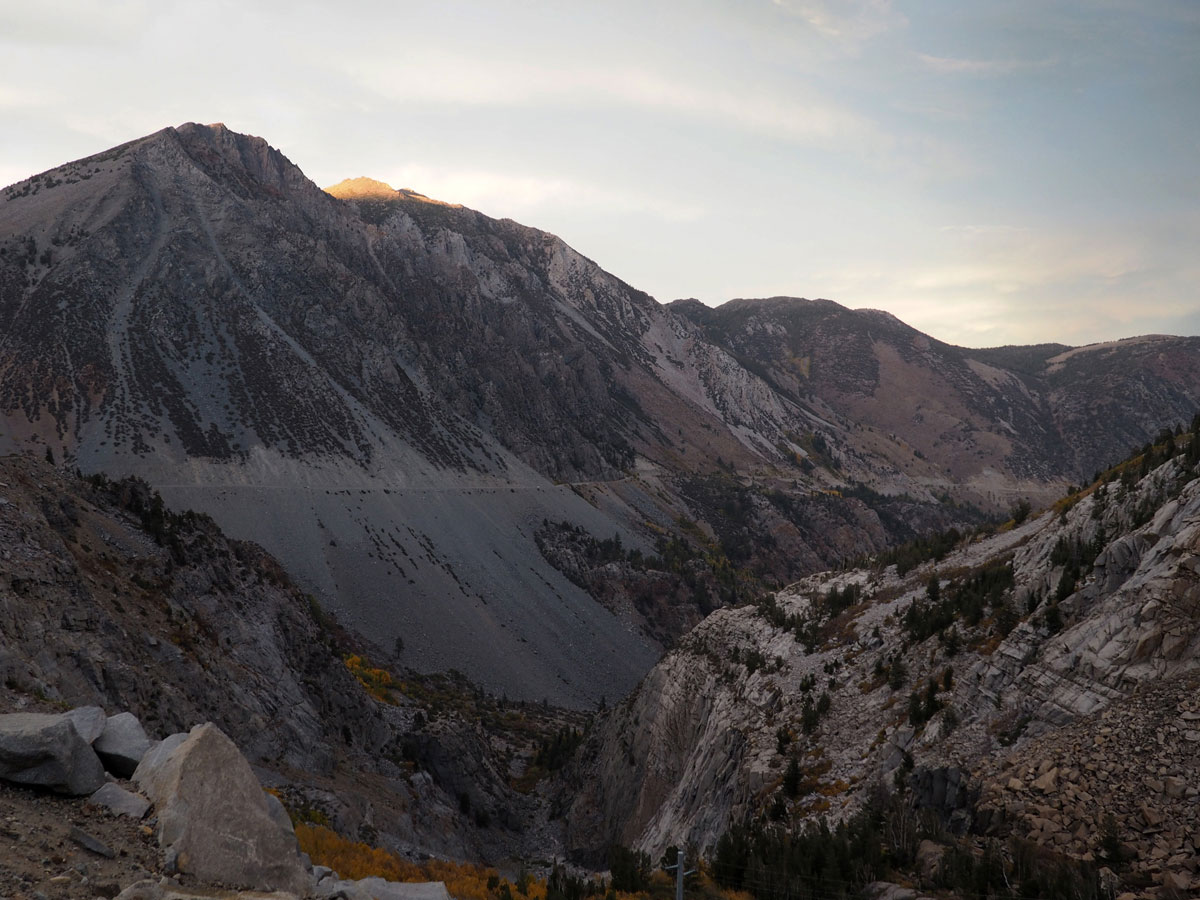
(73, 22)
(846, 20)
(512, 195)
(950, 66)
(800, 117)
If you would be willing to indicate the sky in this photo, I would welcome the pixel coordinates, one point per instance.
(991, 172)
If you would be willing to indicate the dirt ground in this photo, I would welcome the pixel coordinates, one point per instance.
(39, 858)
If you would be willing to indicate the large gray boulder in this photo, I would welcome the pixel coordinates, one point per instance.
(122, 744)
(159, 751)
(329, 888)
(382, 889)
(214, 820)
(89, 721)
(47, 751)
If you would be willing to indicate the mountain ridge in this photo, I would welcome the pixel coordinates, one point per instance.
(396, 397)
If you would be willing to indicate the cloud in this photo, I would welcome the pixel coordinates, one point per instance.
(74, 22)
(23, 98)
(989, 284)
(1008, 261)
(800, 117)
(518, 195)
(847, 21)
(946, 65)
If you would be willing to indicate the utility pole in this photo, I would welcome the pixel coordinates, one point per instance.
(679, 874)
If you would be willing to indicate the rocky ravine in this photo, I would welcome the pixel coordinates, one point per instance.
(1038, 681)
(392, 394)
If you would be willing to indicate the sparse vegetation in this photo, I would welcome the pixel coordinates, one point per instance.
(818, 860)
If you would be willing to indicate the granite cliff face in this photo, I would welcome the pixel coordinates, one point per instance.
(1029, 664)
(396, 396)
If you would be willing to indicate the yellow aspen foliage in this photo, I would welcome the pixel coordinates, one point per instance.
(354, 860)
(376, 682)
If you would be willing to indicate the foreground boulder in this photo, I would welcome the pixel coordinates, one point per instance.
(213, 818)
(122, 744)
(47, 751)
(89, 721)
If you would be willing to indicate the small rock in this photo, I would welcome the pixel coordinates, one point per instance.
(119, 801)
(95, 845)
(1047, 782)
(142, 890)
(883, 890)
(1179, 881)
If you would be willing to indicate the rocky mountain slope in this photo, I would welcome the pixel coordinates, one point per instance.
(1035, 658)
(1026, 411)
(109, 599)
(401, 399)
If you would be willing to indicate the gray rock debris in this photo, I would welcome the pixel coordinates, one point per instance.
(94, 844)
(119, 801)
(47, 751)
(142, 890)
(122, 744)
(330, 888)
(214, 820)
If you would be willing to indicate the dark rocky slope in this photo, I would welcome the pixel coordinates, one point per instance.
(107, 598)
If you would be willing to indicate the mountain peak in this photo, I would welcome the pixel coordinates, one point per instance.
(363, 188)
(357, 188)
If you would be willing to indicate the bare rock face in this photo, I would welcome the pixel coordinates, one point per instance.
(213, 817)
(47, 751)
